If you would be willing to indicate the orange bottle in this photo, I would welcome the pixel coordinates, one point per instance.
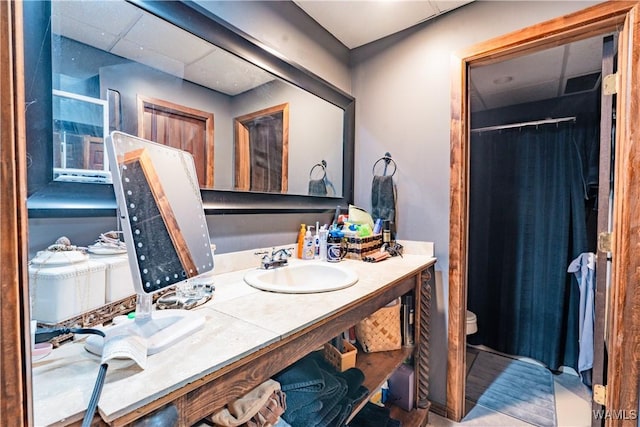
(301, 234)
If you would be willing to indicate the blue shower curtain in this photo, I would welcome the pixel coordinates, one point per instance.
(527, 223)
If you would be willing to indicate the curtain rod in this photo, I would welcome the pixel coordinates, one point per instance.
(533, 123)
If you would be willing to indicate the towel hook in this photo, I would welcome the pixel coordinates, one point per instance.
(323, 165)
(387, 160)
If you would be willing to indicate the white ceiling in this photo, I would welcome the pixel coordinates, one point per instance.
(539, 76)
(358, 22)
(542, 75)
(122, 29)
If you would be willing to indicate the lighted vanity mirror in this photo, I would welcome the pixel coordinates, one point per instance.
(162, 69)
(167, 238)
(161, 212)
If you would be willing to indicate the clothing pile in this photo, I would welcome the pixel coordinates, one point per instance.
(261, 407)
(317, 395)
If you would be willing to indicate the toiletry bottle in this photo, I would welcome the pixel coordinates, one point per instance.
(301, 235)
(316, 242)
(323, 243)
(307, 249)
(386, 232)
(335, 250)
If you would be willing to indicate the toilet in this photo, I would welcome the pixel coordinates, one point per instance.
(472, 323)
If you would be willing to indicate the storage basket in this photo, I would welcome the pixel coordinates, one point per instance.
(341, 361)
(381, 330)
(359, 247)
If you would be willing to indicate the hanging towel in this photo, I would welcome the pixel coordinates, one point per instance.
(317, 187)
(383, 198)
(584, 268)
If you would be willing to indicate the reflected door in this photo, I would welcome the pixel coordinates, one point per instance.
(179, 127)
(262, 150)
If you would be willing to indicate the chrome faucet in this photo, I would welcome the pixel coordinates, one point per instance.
(278, 258)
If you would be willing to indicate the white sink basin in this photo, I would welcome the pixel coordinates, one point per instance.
(302, 278)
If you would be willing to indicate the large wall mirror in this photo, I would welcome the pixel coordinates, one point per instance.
(174, 73)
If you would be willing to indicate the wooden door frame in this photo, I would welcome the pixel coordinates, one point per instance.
(171, 107)
(242, 152)
(623, 368)
(15, 349)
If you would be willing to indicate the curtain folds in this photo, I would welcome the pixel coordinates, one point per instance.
(526, 224)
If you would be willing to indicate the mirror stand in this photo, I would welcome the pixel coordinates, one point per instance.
(159, 329)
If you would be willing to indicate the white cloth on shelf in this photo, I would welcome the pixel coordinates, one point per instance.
(584, 269)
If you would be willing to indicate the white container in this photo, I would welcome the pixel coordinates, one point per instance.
(118, 279)
(64, 285)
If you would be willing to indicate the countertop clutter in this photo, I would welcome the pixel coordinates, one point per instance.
(242, 322)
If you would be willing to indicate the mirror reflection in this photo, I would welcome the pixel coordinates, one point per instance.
(117, 67)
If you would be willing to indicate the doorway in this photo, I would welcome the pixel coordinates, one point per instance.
(622, 393)
(533, 181)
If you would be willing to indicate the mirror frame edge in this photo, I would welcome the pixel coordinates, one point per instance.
(52, 199)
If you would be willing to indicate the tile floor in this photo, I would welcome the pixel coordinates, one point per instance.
(573, 407)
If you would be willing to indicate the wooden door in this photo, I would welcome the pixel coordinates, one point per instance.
(93, 150)
(261, 150)
(180, 127)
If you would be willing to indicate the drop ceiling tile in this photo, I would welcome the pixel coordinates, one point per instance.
(160, 36)
(524, 70)
(149, 57)
(81, 32)
(112, 17)
(226, 72)
(584, 57)
(356, 23)
(532, 93)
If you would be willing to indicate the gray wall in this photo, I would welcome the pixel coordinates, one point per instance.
(402, 87)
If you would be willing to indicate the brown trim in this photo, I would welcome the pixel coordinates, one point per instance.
(15, 366)
(600, 19)
(241, 146)
(624, 339)
(604, 192)
(145, 102)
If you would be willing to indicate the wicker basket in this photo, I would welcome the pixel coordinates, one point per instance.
(341, 361)
(381, 330)
(359, 247)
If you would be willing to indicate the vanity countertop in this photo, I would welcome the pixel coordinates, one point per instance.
(239, 320)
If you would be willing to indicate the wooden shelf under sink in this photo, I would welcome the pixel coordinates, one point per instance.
(377, 368)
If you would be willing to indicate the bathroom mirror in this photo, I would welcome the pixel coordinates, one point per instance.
(115, 52)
